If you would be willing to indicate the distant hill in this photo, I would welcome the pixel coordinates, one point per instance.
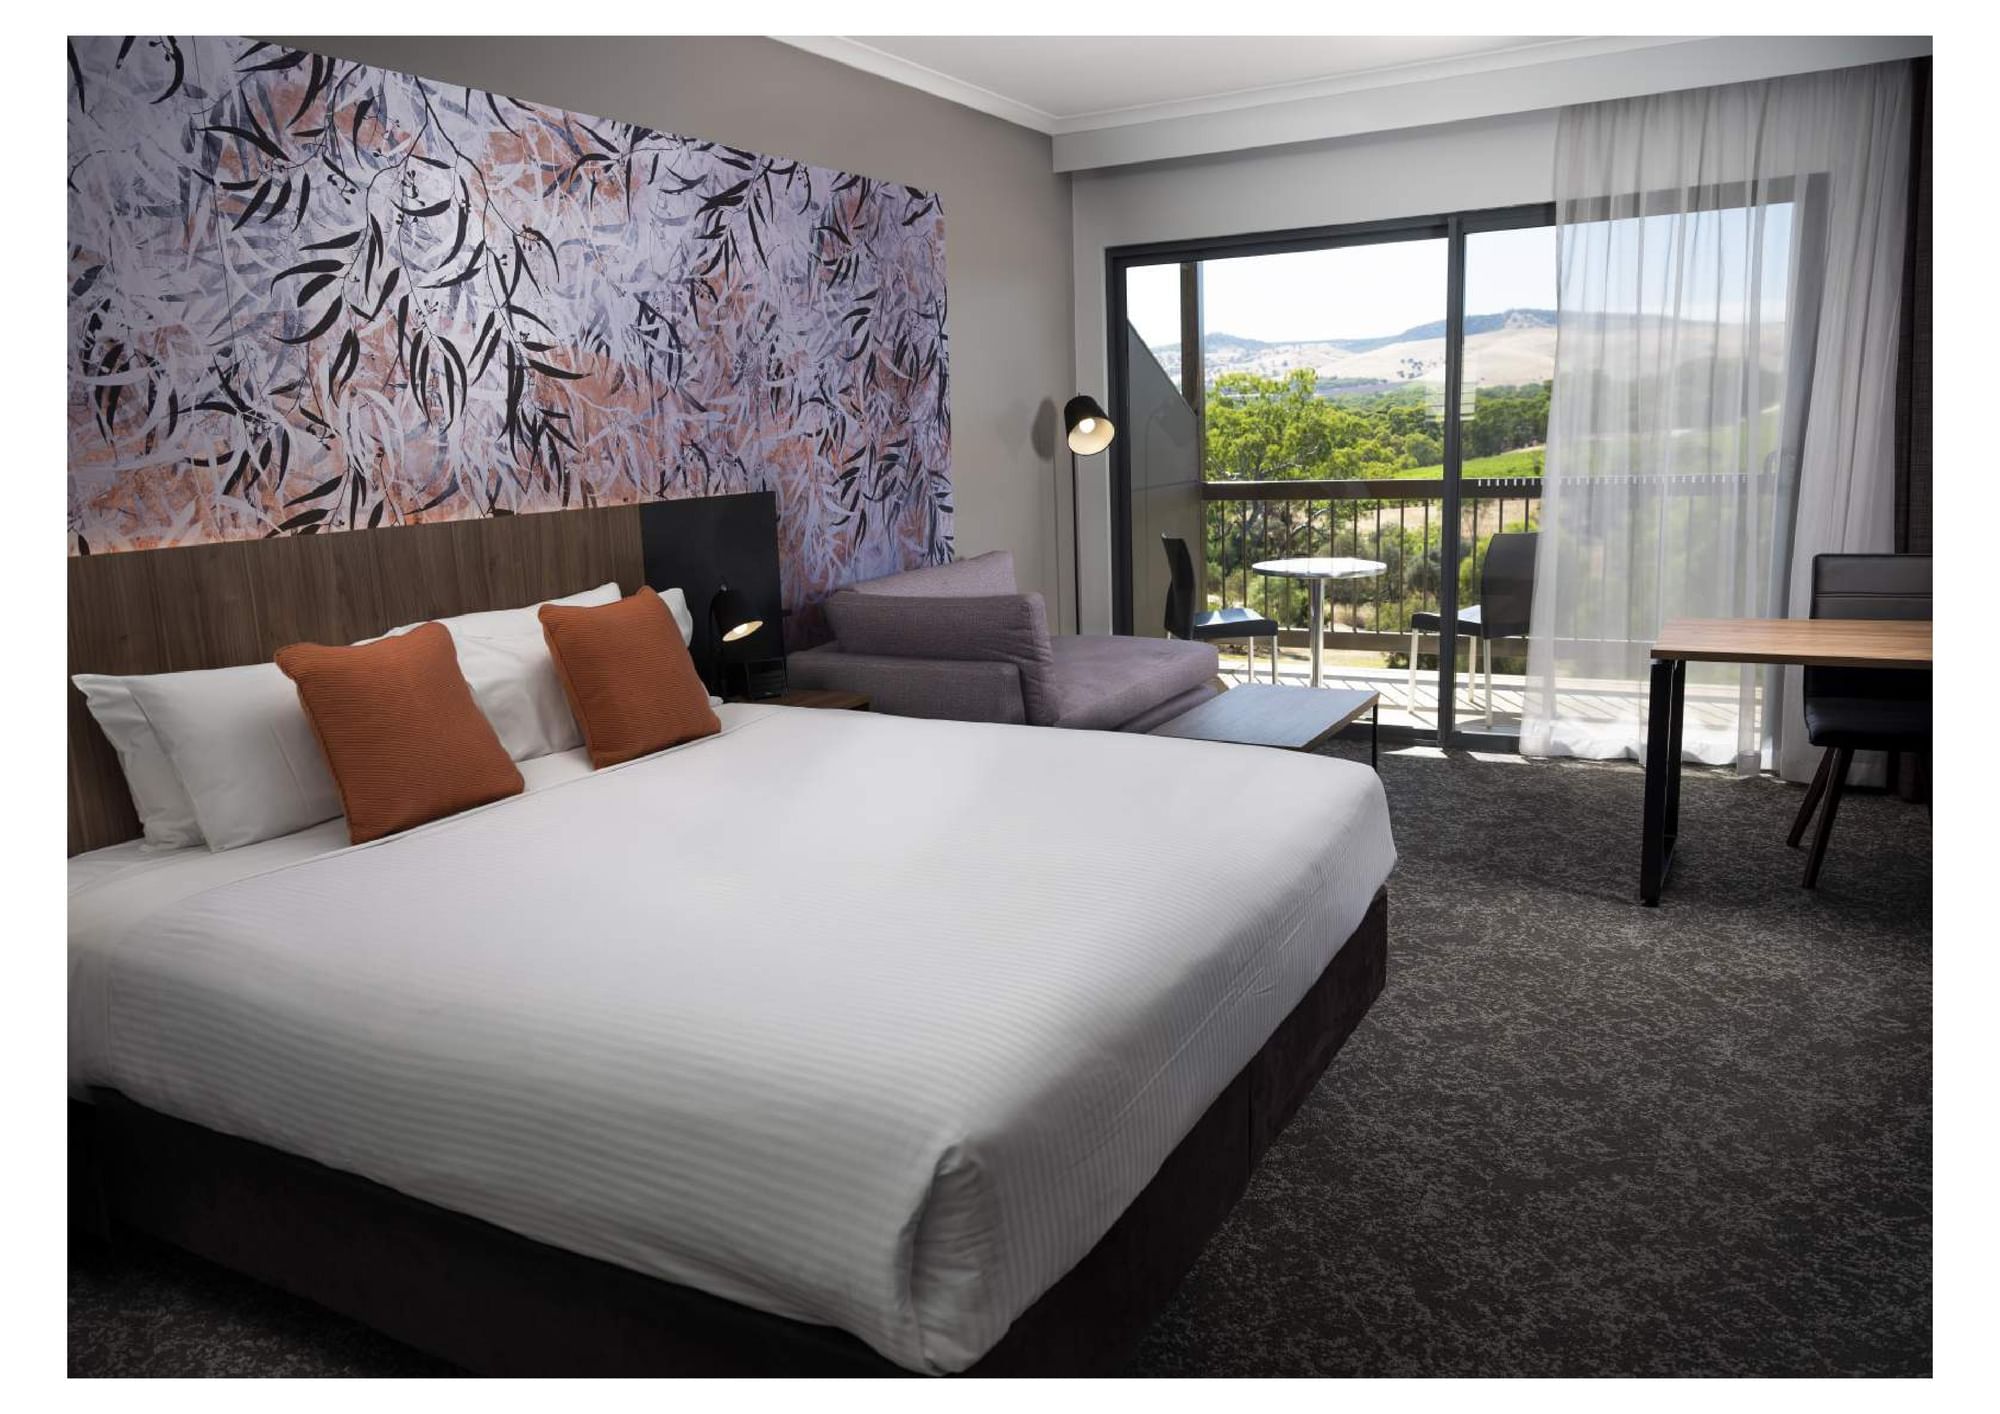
(1474, 324)
(1518, 343)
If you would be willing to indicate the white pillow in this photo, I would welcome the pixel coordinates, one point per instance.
(677, 605)
(506, 662)
(511, 623)
(166, 815)
(507, 665)
(527, 621)
(243, 749)
(228, 757)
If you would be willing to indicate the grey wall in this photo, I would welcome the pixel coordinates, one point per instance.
(1007, 223)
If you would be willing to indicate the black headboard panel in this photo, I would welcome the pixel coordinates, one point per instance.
(698, 545)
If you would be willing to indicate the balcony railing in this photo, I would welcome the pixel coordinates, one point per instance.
(1400, 523)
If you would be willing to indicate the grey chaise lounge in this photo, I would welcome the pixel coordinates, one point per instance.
(960, 641)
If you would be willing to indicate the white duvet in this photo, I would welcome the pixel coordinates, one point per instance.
(868, 1021)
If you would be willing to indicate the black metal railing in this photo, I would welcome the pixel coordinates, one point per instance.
(1398, 523)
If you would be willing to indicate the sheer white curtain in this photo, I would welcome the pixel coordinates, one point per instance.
(1730, 263)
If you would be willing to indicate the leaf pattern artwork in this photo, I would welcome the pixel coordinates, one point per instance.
(307, 295)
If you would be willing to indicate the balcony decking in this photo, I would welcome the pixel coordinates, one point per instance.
(1579, 699)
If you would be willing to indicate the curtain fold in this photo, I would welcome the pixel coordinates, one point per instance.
(1730, 270)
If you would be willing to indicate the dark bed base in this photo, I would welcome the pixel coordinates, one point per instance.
(497, 1303)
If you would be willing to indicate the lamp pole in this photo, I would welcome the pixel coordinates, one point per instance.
(1087, 431)
(1075, 547)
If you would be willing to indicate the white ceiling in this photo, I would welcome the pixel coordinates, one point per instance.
(1109, 100)
(1062, 84)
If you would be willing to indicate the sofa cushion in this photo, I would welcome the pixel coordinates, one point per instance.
(1004, 628)
(991, 573)
(948, 688)
(1104, 683)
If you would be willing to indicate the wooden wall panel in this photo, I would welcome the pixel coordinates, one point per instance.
(216, 606)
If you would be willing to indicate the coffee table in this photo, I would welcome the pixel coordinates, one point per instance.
(1318, 569)
(1289, 718)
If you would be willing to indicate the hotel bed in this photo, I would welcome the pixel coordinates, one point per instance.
(829, 1043)
(865, 1022)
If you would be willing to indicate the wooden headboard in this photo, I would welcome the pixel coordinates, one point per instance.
(217, 606)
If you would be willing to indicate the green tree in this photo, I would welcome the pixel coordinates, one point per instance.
(1505, 419)
(1280, 429)
(1298, 428)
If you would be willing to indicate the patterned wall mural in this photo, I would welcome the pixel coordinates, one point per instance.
(307, 295)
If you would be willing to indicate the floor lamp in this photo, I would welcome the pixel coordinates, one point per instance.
(1088, 431)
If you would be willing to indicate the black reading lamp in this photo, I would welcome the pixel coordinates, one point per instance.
(729, 619)
(1089, 432)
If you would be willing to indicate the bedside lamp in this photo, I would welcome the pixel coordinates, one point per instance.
(729, 619)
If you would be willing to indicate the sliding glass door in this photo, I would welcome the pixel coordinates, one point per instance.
(1363, 406)
(1509, 367)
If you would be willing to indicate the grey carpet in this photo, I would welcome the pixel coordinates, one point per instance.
(1574, 1137)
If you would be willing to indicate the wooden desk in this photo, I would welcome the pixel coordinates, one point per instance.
(1270, 714)
(1815, 643)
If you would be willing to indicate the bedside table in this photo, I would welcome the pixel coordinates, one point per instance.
(818, 697)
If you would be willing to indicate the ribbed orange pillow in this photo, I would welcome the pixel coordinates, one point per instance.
(629, 678)
(404, 739)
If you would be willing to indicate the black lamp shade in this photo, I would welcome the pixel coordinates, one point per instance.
(1088, 429)
(730, 616)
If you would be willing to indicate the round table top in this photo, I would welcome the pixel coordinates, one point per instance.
(1321, 567)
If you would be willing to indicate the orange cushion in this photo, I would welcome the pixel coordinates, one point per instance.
(402, 736)
(629, 678)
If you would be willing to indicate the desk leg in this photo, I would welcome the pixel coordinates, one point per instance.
(1318, 625)
(1375, 735)
(1677, 713)
(1663, 776)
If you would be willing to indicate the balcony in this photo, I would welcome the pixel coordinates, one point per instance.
(1367, 633)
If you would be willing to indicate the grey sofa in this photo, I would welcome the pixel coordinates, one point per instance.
(960, 641)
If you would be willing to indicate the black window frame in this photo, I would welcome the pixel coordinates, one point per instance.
(1453, 228)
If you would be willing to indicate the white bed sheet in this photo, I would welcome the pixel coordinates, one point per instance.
(867, 1021)
(111, 889)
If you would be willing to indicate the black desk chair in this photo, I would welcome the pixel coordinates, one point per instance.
(1506, 596)
(1229, 624)
(1862, 709)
